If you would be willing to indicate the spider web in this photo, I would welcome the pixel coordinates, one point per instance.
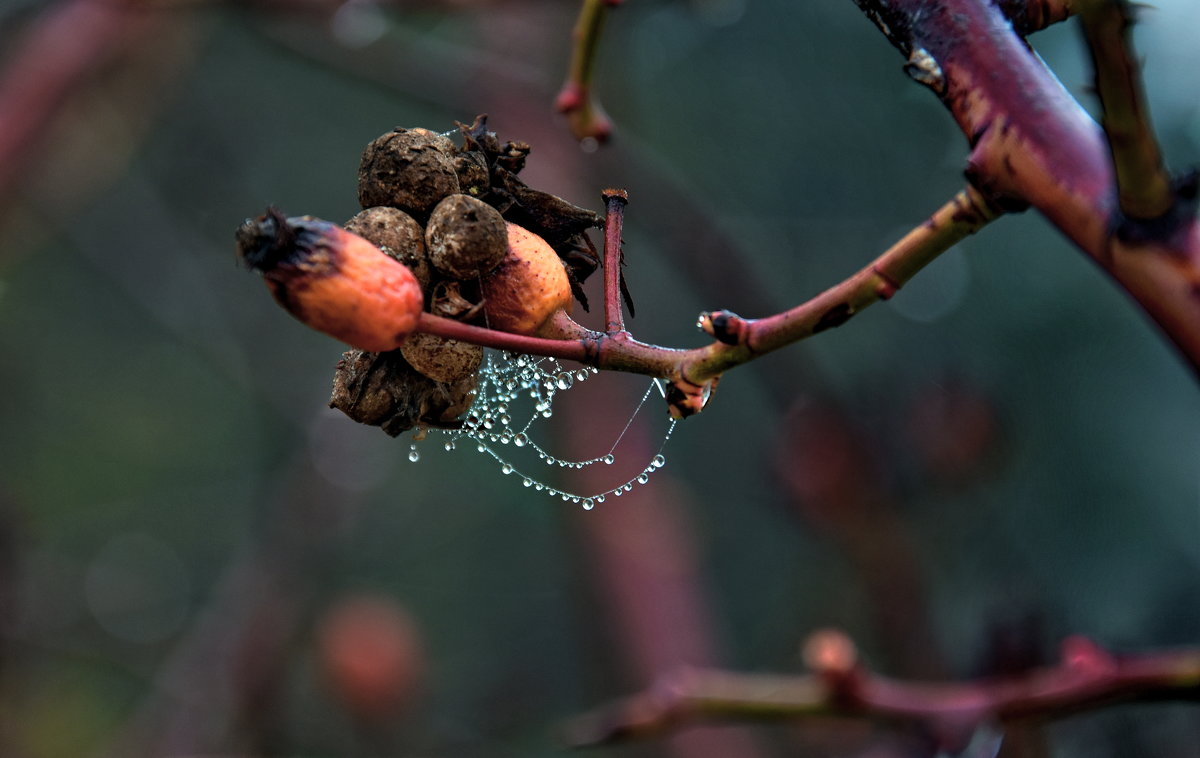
(514, 393)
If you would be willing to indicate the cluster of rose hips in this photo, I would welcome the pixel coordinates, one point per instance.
(446, 229)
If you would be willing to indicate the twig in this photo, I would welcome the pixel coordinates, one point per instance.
(1143, 186)
(740, 340)
(584, 114)
(614, 205)
(1086, 678)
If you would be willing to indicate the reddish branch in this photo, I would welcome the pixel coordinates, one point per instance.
(1087, 677)
(738, 340)
(614, 205)
(1032, 144)
(1029, 16)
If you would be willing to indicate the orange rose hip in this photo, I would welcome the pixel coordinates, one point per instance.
(528, 286)
(333, 281)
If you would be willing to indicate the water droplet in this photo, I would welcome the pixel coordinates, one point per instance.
(550, 460)
(658, 462)
(609, 459)
(481, 448)
(564, 381)
(520, 440)
(449, 445)
(547, 413)
(643, 478)
(628, 487)
(507, 468)
(527, 482)
(413, 454)
(539, 486)
(581, 374)
(599, 498)
(502, 408)
(472, 421)
(588, 504)
(488, 423)
(617, 492)
(575, 500)
(506, 419)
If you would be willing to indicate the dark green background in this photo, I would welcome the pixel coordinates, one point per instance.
(163, 420)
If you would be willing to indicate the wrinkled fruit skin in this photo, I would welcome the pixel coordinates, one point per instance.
(384, 390)
(442, 359)
(397, 234)
(332, 280)
(527, 287)
(465, 237)
(409, 169)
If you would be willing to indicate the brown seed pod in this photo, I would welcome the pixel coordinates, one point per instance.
(445, 360)
(382, 389)
(397, 234)
(410, 169)
(465, 237)
(528, 286)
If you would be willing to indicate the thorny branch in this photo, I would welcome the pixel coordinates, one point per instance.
(1086, 677)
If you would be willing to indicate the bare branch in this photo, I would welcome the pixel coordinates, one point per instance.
(1032, 144)
(739, 340)
(1143, 186)
(614, 202)
(1086, 678)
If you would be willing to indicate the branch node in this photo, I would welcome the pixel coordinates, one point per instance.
(724, 326)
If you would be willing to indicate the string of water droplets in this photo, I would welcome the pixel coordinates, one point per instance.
(509, 380)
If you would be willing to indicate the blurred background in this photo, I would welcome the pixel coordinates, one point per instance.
(198, 557)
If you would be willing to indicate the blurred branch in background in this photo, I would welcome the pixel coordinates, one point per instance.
(67, 47)
(1086, 678)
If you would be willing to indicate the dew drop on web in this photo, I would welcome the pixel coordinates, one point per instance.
(513, 394)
